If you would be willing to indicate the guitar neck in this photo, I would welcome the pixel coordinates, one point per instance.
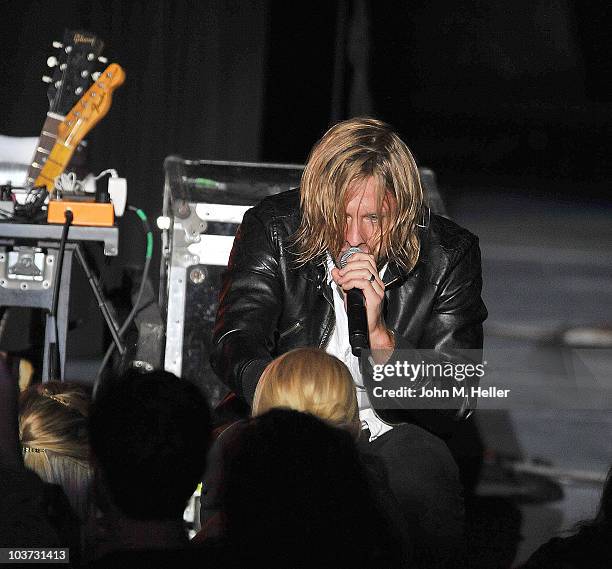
(72, 67)
(46, 141)
(69, 131)
(56, 163)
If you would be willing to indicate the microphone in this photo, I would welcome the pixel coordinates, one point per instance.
(356, 311)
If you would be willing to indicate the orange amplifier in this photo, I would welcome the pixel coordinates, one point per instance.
(84, 213)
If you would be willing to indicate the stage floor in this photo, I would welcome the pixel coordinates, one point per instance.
(547, 269)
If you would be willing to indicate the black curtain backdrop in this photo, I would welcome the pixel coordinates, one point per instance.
(299, 78)
(498, 88)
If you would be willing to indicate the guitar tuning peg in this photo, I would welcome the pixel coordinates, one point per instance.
(90, 56)
(57, 45)
(102, 59)
(95, 76)
(47, 79)
(52, 61)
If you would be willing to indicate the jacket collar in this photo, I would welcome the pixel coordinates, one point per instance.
(394, 274)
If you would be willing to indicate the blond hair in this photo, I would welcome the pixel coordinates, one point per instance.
(349, 152)
(54, 438)
(312, 381)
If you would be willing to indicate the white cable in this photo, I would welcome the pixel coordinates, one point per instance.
(67, 182)
(110, 171)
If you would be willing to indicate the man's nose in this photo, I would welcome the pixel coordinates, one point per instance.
(353, 235)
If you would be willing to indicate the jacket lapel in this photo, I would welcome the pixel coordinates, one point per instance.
(395, 274)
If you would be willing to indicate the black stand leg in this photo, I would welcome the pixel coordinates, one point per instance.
(97, 290)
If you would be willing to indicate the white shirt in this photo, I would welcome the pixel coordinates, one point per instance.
(339, 346)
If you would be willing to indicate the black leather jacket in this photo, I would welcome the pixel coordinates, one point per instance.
(268, 306)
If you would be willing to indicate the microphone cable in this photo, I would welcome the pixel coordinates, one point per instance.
(54, 348)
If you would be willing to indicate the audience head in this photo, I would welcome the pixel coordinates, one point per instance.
(312, 381)
(150, 434)
(54, 438)
(295, 492)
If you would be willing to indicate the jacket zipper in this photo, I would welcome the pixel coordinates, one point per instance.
(391, 282)
(290, 330)
(327, 331)
(332, 321)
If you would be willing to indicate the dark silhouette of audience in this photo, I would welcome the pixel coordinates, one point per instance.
(294, 490)
(24, 512)
(589, 548)
(295, 494)
(312, 381)
(149, 436)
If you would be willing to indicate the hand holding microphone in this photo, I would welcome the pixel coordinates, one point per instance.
(358, 277)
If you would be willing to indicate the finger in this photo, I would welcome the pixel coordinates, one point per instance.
(363, 284)
(363, 266)
(364, 273)
(378, 286)
(373, 294)
(354, 283)
(361, 260)
(361, 255)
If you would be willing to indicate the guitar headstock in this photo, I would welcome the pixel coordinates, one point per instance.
(94, 104)
(73, 67)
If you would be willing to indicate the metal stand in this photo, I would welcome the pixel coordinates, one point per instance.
(58, 322)
(38, 293)
(97, 291)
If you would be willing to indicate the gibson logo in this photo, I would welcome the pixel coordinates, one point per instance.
(80, 38)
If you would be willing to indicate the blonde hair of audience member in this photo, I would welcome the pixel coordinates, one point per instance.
(54, 438)
(312, 381)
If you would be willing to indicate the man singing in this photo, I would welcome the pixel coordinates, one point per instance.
(420, 275)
